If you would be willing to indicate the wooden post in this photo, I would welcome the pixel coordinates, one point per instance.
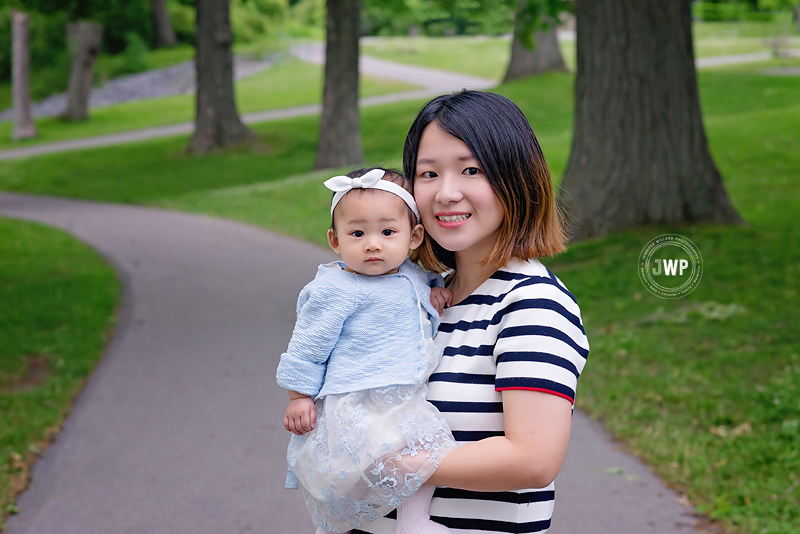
(84, 39)
(24, 127)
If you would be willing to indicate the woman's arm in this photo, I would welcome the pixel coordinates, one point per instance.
(537, 427)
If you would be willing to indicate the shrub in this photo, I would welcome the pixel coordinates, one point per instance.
(47, 41)
(183, 21)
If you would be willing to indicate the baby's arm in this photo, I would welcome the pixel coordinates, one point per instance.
(301, 414)
(441, 297)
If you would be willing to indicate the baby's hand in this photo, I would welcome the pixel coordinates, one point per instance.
(301, 416)
(441, 297)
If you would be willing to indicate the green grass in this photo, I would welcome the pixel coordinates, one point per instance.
(108, 66)
(487, 57)
(289, 83)
(710, 399)
(62, 297)
(482, 56)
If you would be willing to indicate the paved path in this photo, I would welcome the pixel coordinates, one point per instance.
(179, 430)
(432, 82)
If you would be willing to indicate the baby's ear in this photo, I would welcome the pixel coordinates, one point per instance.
(417, 233)
(333, 240)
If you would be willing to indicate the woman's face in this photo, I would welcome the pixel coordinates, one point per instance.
(458, 206)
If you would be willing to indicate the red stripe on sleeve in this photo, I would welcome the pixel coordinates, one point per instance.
(542, 390)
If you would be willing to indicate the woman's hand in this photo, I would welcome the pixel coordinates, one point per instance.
(301, 414)
(529, 455)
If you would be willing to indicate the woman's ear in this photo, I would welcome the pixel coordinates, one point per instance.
(417, 233)
(333, 240)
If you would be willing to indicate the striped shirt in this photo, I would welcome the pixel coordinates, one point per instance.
(521, 329)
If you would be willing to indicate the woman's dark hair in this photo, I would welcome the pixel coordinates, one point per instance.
(500, 137)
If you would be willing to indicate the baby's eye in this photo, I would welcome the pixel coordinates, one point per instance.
(472, 171)
(388, 232)
(357, 233)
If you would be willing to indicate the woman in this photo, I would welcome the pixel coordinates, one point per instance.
(513, 340)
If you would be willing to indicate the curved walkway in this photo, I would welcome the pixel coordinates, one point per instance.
(179, 430)
(432, 82)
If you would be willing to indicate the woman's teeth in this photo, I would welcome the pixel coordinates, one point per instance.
(453, 218)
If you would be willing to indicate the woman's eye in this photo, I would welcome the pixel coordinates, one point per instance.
(429, 174)
(357, 233)
(388, 232)
(472, 171)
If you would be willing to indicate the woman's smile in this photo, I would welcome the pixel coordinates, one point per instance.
(451, 220)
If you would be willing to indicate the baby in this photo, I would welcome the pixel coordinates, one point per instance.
(365, 439)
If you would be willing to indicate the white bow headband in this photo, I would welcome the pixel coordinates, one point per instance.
(371, 180)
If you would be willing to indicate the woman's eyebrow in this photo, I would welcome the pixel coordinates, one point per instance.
(424, 161)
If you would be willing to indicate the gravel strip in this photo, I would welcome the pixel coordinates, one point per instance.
(157, 83)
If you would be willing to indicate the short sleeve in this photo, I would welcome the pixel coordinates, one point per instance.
(541, 344)
(321, 313)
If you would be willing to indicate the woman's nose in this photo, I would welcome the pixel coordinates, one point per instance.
(448, 191)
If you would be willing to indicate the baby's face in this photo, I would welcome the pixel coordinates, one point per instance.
(373, 233)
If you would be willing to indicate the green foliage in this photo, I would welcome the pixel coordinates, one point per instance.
(134, 57)
(255, 19)
(778, 5)
(47, 41)
(183, 18)
(727, 11)
(438, 17)
(121, 17)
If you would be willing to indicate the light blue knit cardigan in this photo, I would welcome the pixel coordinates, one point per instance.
(357, 332)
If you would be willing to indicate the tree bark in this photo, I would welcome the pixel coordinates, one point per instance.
(797, 16)
(85, 39)
(217, 123)
(545, 56)
(639, 150)
(24, 128)
(340, 125)
(165, 36)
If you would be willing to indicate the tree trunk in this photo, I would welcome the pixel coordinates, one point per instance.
(165, 36)
(84, 39)
(217, 123)
(545, 56)
(340, 126)
(797, 16)
(24, 127)
(639, 151)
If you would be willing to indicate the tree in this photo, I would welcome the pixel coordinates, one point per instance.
(24, 128)
(340, 126)
(165, 36)
(639, 152)
(84, 39)
(534, 47)
(217, 123)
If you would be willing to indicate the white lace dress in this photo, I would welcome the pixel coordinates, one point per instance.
(370, 450)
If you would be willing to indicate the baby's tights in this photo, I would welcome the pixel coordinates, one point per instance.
(413, 516)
